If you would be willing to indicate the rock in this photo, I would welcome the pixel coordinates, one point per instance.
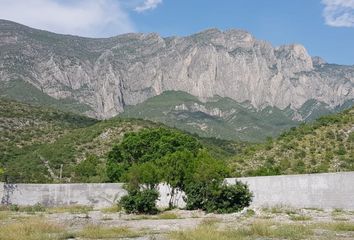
(109, 74)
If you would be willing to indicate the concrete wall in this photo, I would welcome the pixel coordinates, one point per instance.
(328, 190)
(1, 192)
(96, 195)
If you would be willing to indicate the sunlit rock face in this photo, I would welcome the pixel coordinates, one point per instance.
(108, 74)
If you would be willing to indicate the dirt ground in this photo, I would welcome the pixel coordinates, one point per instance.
(339, 223)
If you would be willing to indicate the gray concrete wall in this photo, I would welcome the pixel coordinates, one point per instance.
(97, 195)
(1, 191)
(328, 190)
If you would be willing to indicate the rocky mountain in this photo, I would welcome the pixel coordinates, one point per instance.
(101, 77)
(225, 118)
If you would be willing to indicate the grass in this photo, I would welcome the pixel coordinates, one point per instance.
(340, 219)
(256, 230)
(5, 215)
(338, 226)
(113, 209)
(280, 209)
(101, 232)
(167, 215)
(73, 209)
(300, 218)
(314, 209)
(36, 229)
(337, 211)
(250, 213)
(164, 215)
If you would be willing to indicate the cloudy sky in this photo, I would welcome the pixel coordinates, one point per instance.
(325, 27)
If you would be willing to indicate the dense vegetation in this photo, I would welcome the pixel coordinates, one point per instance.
(218, 117)
(36, 142)
(326, 145)
(224, 117)
(152, 156)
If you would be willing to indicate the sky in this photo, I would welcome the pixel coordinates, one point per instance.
(324, 27)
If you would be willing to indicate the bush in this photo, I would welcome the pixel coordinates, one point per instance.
(220, 198)
(140, 201)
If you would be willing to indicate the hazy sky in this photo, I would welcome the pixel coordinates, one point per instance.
(325, 27)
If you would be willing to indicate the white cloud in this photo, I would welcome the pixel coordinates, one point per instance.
(339, 13)
(148, 5)
(92, 18)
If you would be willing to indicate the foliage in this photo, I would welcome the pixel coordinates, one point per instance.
(152, 156)
(145, 146)
(255, 125)
(140, 201)
(145, 173)
(35, 140)
(218, 197)
(2, 171)
(90, 170)
(228, 198)
(325, 145)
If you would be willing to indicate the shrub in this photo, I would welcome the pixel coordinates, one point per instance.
(140, 201)
(220, 198)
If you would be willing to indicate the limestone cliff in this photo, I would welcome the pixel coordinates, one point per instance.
(109, 74)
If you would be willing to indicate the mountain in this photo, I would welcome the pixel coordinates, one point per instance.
(217, 117)
(224, 117)
(105, 77)
(326, 145)
(36, 141)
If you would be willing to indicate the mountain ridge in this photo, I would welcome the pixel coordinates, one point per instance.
(106, 75)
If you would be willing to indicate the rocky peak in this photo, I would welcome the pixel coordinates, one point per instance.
(318, 61)
(294, 57)
(108, 74)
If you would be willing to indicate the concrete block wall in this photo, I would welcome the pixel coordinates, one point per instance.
(327, 190)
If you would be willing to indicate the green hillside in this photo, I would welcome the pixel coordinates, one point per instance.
(35, 142)
(326, 145)
(218, 117)
(223, 117)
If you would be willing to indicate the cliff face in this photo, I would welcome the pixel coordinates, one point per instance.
(108, 74)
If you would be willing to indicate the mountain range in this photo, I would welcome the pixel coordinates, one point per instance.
(238, 87)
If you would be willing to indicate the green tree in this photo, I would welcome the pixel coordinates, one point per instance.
(89, 170)
(175, 168)
(145, 175)
(145, 146)
(2, 171)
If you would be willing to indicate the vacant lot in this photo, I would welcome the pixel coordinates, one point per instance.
(79, 222)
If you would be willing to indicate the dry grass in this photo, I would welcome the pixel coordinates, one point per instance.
(100, 232)
(337, 226)
(113, 209)
(164, 215)
(73, 209)
(35, 229)
(300, 217)
(4, 215)
(256, 230)
(167, 215)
